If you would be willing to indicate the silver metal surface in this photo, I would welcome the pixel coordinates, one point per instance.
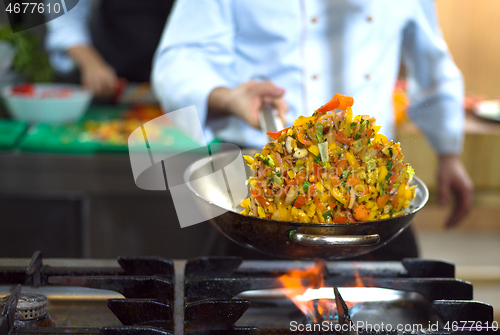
(269, 118)
(323, 240)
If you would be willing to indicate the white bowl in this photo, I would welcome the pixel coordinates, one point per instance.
(40, 109)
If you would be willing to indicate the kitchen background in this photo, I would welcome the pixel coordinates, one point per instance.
(87, 205)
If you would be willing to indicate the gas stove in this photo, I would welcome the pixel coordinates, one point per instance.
(228, 295)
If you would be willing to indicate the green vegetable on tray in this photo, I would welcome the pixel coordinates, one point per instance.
(31, 60)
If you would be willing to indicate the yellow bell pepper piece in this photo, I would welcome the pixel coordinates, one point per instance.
(401, 190)
(313, 149)
(310, 210)
(245, 203)
(351, 159)
(303, 120)
(338, 196)
(370, 204)
(320, 187)
(300, 215)
(249, 159)
(348, 116)
(363, 198)
(382, 173)
(380, 138)
(261, 212)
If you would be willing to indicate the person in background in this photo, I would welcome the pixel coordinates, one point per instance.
(308, 51)
(98, 42)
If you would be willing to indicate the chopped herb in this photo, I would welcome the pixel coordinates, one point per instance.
(327, 215)
(353, 124)
(388, 176)
(390, 151)
(317, 159)
(346, 173)
(357, 136)
(389, 165)
(305, 186)
(268, 161)
(339, 203)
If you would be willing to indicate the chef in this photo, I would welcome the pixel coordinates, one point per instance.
(98, 42)
(212, 50)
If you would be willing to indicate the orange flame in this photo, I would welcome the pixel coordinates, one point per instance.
(300, 293)
(313, 299)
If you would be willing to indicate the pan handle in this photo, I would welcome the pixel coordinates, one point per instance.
(338, 240)
(269, 118)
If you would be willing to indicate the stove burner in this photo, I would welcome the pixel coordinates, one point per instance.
(31, 311)
(31, 306)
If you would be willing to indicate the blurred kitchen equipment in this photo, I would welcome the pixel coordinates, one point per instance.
(129, 93)
(44, 107)
(487, 110)
(7, 53)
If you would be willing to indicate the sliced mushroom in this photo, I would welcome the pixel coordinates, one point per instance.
(291, 147)
(300, 153)
(289, 144)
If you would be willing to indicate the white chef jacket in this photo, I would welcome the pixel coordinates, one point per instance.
(313, 49)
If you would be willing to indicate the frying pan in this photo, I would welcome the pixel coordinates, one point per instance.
(290, 239)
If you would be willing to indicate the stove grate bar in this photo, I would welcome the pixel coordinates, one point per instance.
(129, 286)
(431, 288)
(142, 311)
(214, 314)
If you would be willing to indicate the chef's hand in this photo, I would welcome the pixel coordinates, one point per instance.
(246, 99)
(96, 74)
(452, 177)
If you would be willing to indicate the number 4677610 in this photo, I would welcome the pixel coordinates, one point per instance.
(32, 7)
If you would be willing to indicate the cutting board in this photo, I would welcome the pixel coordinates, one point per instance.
(10, 133)
(75, 140)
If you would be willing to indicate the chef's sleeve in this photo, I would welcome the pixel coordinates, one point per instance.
(195, 55)
(435, 83)
(67, 31)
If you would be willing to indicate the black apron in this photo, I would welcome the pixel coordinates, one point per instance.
(127, 33)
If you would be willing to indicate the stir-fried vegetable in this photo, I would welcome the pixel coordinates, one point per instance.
(329, 167)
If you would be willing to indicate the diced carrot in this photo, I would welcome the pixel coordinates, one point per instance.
(276, 134)
(299, 202)
(381, 201)
(345, 101)
(330, 105)
(352, 180)
(263, 201)
(341, 165)
(361, 213)
(301, 136)
(341, 137)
